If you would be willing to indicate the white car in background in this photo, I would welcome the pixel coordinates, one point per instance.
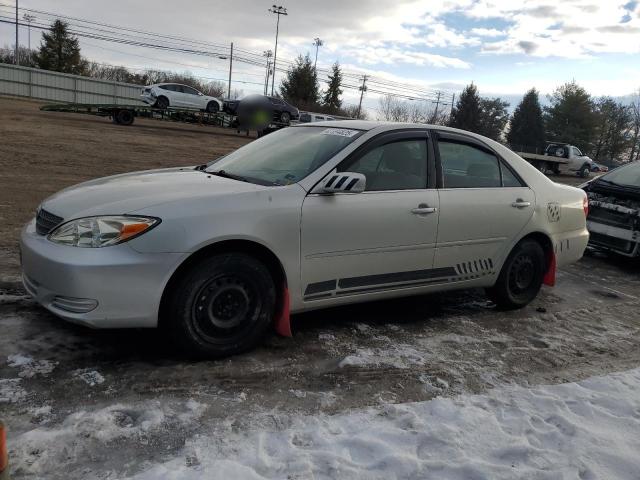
(311, 216)
(164, 95)
(310, 117)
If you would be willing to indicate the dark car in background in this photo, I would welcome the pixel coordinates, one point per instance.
(281, 111)
(614, 210)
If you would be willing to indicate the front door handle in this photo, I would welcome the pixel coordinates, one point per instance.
(423, 209)
(520, 203)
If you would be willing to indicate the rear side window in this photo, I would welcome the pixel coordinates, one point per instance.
(189, 90)
(467, 166)
(509, 178)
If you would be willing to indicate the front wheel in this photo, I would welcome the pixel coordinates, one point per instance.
(222, 306)
(213, 107)
(584, 171)
(285, 117)
(521, 276)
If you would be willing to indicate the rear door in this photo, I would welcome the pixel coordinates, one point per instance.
(483, 206)
(192, 97)
(378, 240)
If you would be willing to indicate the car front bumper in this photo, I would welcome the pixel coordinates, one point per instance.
(110, 287)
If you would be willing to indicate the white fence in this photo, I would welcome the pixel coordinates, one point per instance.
(62, 87)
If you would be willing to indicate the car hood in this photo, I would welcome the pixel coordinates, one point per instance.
(127, 193)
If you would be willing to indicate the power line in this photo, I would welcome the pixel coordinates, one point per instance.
(144, 39)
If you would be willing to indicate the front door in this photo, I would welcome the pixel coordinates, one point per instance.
(380, 239)
(483, 207)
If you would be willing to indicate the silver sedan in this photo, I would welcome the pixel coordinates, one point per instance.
(308, 217)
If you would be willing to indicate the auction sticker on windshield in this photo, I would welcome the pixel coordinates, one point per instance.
(341, 132)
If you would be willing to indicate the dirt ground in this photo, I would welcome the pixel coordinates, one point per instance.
(81, 403)
(43, 152)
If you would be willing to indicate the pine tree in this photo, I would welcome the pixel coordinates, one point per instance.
(60, 51)
(493, 117)
(466, 115)
(526, 129)
(300, 86)
(571, 117)
(331, 98)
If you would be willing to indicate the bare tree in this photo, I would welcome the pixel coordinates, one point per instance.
(634, 130)
(392, 109)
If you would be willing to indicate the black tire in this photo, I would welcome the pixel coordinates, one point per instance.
(560, 152)
(285, 117)
(222, 306)
(124, 117)
(521, 276)
(162, 103)
(585, 171)
(213, 107)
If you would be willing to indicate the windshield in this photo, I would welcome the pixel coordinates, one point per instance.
(627, 176)
(285, 156)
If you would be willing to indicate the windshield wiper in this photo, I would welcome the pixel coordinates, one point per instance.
(201, 167)
(222, 173)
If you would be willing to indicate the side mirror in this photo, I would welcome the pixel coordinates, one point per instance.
(345, 182)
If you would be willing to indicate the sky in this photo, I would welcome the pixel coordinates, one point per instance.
(503, 46)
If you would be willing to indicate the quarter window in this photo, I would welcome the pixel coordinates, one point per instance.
(509, 178)
(400, 165)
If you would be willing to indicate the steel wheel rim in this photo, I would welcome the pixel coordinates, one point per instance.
(224, 307)
(522, 274)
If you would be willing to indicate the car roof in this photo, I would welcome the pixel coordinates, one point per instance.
(367, 125)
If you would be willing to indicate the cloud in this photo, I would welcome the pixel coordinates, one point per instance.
(527, 46)
(487, 32)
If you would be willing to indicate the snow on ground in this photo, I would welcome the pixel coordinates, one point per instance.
(586, 430)
(29, 367)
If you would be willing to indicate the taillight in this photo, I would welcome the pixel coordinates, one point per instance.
(585, 206)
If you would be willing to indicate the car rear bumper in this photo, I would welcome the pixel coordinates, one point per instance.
(570, 246)
(111, 287)
(624, 241)
(148, 98)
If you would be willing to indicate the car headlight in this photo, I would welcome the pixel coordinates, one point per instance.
(97, 232)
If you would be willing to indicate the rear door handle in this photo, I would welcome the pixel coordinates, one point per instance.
(423, 209)
(519, 203)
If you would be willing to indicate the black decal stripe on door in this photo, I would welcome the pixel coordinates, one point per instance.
(380, 279)
(320, 287)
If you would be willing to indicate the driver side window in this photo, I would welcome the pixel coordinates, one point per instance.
(399, 165)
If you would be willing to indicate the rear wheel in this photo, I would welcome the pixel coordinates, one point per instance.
(124, 117)
(162, 103)
(521, 276)
(222, 306)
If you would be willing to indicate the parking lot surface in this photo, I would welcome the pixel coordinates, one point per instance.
(81, 403)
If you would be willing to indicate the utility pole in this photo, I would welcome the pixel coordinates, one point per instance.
(268, 54)
(435, 111)
(363, 88)
(29, 18)
(278, 10)
(230, 68)
(17, 44)
(317, 43)
(453, 100)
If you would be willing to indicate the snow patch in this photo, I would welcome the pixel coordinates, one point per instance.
(394, 355)
(11, 391)
(29, 367)
(586, 430)
(89, 376)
